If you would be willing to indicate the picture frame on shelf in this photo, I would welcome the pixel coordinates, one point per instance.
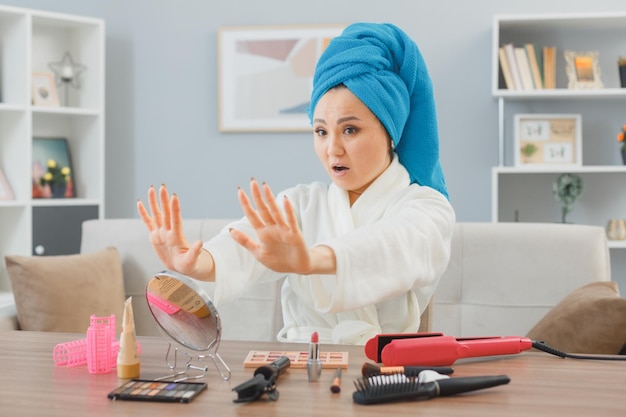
(265, 75)
(53, 174)
(583, 70)
(5, 189)
(44, 90)
(621, 67)
(548, 140)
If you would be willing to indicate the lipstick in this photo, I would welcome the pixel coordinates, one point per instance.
(314, 364)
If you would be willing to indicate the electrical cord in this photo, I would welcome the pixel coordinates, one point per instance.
(542, 346)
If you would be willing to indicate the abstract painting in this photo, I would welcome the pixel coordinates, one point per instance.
(266, 73)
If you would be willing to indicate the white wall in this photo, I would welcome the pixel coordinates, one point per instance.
(162, 102)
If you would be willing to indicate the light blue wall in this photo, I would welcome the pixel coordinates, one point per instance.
(161, 104)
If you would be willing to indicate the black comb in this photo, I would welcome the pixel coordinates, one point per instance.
(398, 387)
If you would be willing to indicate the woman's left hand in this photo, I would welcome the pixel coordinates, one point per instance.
(281, 246)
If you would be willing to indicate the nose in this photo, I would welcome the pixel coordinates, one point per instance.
(334, 145)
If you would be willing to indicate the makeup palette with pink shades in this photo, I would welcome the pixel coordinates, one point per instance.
(331, 360)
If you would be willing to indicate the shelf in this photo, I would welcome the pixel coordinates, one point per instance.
(564, 21)
(617, 244)
(598, 169)
(52, 202)
(561, 93)
(29, 41)
(11, 107)
(78, 111)
(12, 203)
(526, 193)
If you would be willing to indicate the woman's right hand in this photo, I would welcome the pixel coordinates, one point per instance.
(165, 224)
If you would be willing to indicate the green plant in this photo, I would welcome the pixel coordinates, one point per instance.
(55, 174)
(529, 150)
(567, 189)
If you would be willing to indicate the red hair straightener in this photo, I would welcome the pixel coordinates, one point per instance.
(435, 349)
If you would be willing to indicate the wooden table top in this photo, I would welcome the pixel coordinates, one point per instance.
(541, 385)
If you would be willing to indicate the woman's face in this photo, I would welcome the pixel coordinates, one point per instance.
(350, 141)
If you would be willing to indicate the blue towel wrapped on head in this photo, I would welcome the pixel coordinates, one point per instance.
(383, 67)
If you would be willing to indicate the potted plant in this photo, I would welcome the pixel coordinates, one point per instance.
(57, 178)
(567, 189)
(620, 138)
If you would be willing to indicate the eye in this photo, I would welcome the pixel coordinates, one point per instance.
(350, 130)
(320, 132)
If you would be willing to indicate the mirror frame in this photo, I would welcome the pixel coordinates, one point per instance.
(212, 346)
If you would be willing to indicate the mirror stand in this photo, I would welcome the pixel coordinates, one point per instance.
(194, 367)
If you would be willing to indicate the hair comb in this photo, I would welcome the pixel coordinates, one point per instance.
(399, 387)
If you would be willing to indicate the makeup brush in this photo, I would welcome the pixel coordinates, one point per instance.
(336, 385)
(370, 369)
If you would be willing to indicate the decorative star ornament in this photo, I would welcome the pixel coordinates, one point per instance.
(67, 72)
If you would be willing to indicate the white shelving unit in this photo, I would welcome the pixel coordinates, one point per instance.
(29, 41)
(525, 193)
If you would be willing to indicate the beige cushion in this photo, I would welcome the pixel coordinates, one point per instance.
(591, 319)
(60, 293)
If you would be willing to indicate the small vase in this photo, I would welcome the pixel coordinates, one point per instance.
(624, 156)
(616, 229)
(58, 190)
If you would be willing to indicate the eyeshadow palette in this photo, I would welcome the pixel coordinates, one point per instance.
(332, 360)
(161, 391)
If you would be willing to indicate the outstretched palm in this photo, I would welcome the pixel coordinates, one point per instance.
(164, 223)
(281, 246)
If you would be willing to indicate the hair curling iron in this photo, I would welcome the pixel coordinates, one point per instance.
(435, 349)
(263, 382)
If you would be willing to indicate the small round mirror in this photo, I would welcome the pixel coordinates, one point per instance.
(186, 315)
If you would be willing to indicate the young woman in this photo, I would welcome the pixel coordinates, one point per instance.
(362, 255)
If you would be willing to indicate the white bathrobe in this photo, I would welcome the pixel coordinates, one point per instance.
(391, 246)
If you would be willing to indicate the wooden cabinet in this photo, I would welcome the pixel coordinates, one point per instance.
(30, 40)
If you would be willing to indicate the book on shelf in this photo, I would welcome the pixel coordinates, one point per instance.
(528, 67)
(549, 67)
(505, 68)
(509, 49)
(524, 68)
(536, 67)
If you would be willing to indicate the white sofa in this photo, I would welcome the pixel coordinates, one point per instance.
(502, 277)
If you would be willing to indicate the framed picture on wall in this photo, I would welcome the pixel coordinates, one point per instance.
(5, 189)
(265, 75)
(44, 90)
(53, 175)
(548, 140)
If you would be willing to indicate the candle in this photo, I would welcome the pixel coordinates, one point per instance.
(67, 73)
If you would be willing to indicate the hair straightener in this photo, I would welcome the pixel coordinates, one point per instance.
(435, 349)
